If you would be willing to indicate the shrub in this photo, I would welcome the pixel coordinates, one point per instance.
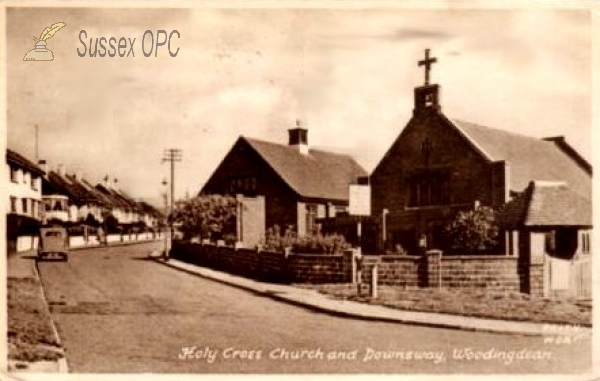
(315, 243)
(205, 216)
(474, 230)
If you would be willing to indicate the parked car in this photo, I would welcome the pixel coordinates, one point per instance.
(53, 241)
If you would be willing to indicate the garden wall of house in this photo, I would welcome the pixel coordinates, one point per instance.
(267, 266)
(490, 272)
(28, 243)
(431, 270)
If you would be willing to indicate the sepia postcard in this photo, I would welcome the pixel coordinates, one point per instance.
(318, 189)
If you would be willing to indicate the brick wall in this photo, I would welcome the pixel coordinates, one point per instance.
(314, 268)
(268, 266)
(489, 272)
(394, 270)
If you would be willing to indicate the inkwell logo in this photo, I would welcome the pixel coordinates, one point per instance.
(40, 53)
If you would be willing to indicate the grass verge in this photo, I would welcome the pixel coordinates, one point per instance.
(30, 334)
(476, 302)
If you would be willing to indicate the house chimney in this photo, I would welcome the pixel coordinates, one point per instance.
(78, 175)
(299, 137)
(60, 169)
(43, 165)
(106, 182)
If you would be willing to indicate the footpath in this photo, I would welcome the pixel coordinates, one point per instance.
(316, 301)
(22, 267)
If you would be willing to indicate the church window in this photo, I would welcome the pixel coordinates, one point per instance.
(429, 189)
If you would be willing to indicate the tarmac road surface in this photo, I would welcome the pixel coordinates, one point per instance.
(119, 312)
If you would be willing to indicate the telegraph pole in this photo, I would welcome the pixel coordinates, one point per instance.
(171, 155)
(37, 158)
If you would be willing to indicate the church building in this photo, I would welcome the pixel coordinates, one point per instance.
(439, 165)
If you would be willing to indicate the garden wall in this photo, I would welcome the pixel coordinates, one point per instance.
(268, 266)
(430, 270)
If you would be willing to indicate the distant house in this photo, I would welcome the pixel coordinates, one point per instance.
(148, 214)
(123, 209)
(70, 198)
(438, 166)
(24, 188)
(296, 183)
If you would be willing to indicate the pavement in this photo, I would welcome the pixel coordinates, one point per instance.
(23, 265)
(314, 300)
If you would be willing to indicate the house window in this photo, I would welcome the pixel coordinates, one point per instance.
(14, 175)
(24, 204)
(13, 204)
(244, 185)
(321, 211)
(585, 243)
(430, 189)
(34, 183)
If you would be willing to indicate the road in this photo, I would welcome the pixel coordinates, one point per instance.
(116, 311)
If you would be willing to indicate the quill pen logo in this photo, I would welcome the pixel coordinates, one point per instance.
(41, 53)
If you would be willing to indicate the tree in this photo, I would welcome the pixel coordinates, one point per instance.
(91, 220)
(206, 216)
(474, 230)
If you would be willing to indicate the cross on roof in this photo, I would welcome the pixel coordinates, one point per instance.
(427, 62)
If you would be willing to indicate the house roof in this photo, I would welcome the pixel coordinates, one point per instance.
(529, 158)
(116, 199)
(546, 204)
(72, 188)
(16, 159)
(318, 174)
(149, 209)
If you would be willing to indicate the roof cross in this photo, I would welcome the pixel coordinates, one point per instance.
(427, 62)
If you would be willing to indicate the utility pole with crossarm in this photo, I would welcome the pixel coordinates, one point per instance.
(171, 155)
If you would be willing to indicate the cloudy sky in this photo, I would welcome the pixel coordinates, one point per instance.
(348, 74)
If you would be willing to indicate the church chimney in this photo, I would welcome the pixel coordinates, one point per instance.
(299, 137)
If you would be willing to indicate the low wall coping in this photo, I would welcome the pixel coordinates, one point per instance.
(479, 257)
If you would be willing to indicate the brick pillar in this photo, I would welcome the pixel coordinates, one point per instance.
(433, 259)
(536, 279)
(349, 266)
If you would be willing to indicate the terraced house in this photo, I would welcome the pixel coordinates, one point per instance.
(24, 188)
(70, 198)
